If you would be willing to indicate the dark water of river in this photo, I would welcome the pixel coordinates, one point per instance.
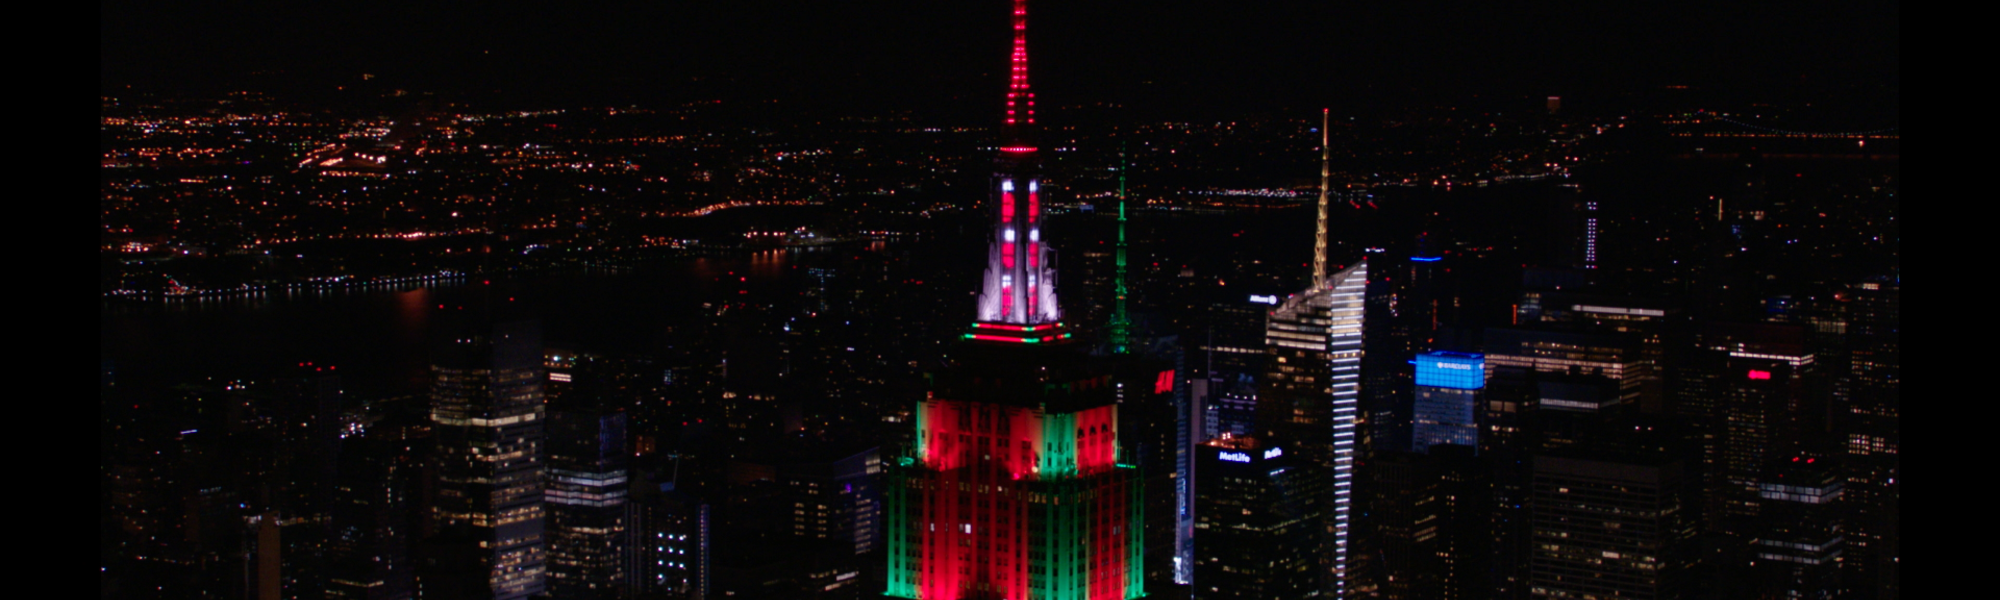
(377, 339)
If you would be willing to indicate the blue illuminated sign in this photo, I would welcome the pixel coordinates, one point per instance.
(1273, 453)
(1426, 258)
(1235, 457)
(1457, 370)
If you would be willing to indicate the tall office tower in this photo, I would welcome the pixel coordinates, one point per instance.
(1447, 399)
(1507, 442)
(1465, 545)
(1013, 488)
(1658, 330)
(370, 545)
(1580, 219)
(587, 493)
(1154, 430)
(1310, 396)
(670, 542)
(1402, 491)
(1540, 351)
(1609, 528)
(486, 404)
(1576, 409)
(1756, 378)
(1799, 543)
(1406, 305)
(1869, 420)
(1257, 522)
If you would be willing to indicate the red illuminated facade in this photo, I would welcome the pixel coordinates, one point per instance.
(1013, 488)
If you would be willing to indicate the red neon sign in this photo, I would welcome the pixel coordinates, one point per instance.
(1756, 374)
(1164, 383)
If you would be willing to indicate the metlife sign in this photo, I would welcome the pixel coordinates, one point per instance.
(1244, 457)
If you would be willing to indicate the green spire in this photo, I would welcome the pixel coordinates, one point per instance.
(1121, 324)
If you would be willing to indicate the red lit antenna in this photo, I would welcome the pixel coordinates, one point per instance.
(1020, 99)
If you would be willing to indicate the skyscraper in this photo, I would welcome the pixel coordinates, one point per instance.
(1309, 398)
(1609, 527)
(1256, 523)
(486, 403)
(1310, 395)
(1800, 540)
(1014, 488)
(587, 493)
(1868, 418)
(1448, 385)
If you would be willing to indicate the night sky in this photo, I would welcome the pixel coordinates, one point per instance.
(1169, 56)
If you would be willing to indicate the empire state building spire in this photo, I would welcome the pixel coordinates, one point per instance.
(1017, 300)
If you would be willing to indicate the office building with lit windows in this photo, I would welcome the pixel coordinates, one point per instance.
(1799, 544)
(1256, 527)
(1609, 527)
(1309, 398)
(1447, 399)
(588, 487)
(487, 409)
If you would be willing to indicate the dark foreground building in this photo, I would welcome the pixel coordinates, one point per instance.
(1256, 526)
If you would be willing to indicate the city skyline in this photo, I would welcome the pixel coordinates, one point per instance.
(826, 301)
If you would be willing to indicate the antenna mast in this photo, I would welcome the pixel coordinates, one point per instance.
(1325, 176)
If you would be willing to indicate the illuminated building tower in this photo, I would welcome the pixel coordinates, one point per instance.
(1309, 398)
(670, 539)
(1582, 226)
(1448, 385)
(1868, 419)
(1751, 391)
(1310, 395)
(486, 404)
(1013, 488)
(1609, 527)
(1800, 540)
(1256, 524)
(1018, 299)
(587, 494)
(370, 545)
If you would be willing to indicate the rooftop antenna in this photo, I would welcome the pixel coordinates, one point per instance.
(1121, 323)
(1325, 176)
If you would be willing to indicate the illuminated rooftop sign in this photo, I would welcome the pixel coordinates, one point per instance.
(1234, 457)
(1455, 370)
(1263, 299)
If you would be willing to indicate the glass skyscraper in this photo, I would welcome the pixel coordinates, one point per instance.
(1311, 393)
(1448, 385)
(487, 405)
